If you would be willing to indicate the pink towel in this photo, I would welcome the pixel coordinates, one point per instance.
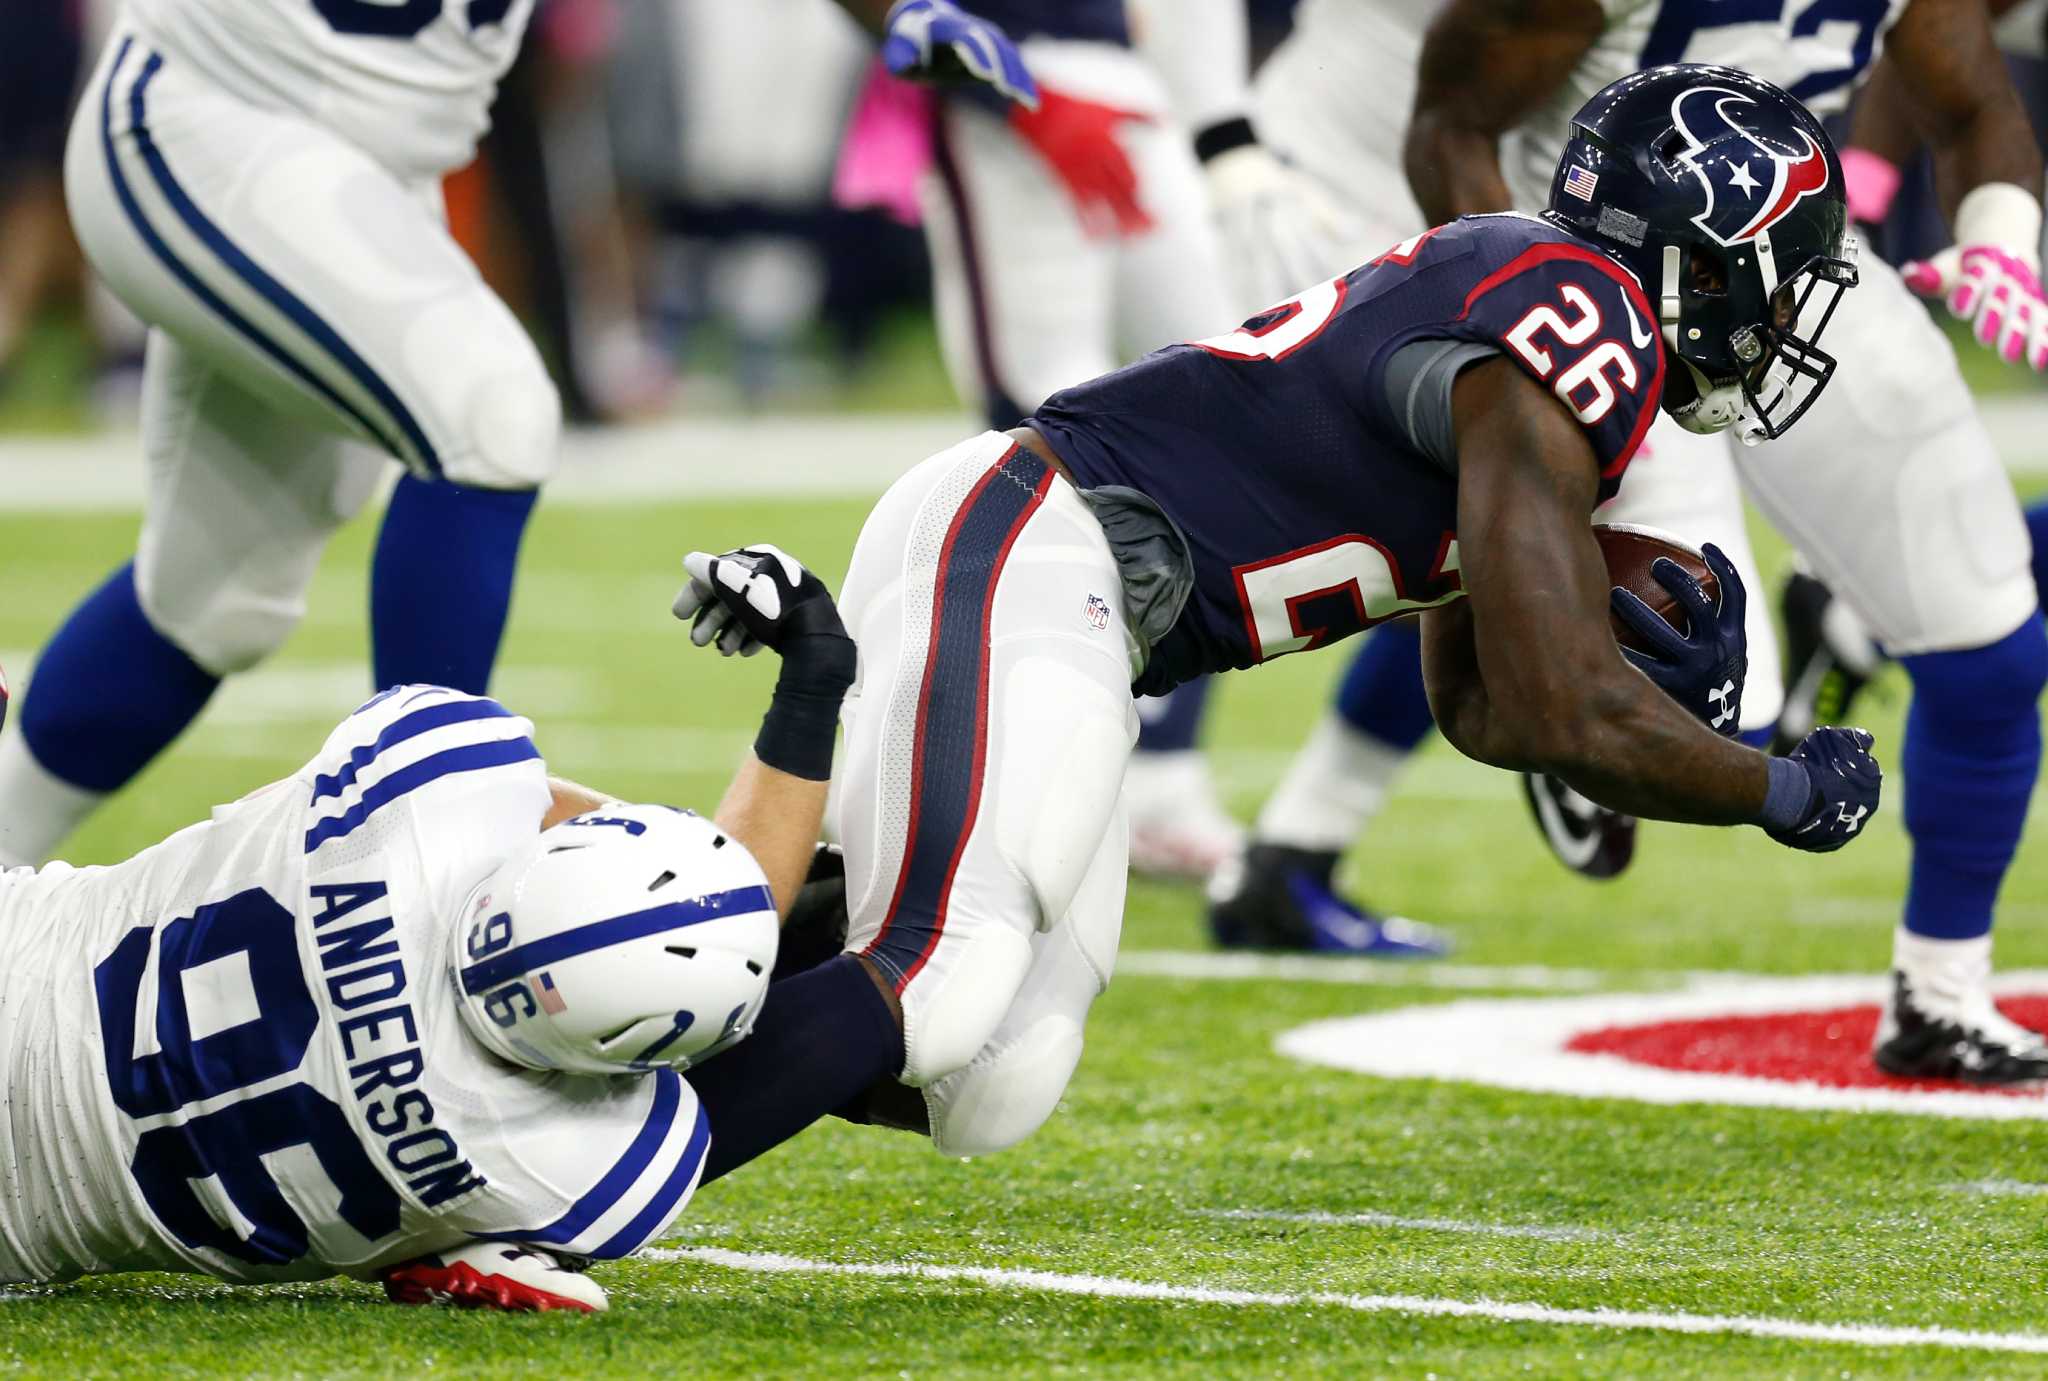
(888, 145)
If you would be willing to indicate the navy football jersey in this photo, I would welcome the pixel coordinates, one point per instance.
(1309, 509)
(1102, 20)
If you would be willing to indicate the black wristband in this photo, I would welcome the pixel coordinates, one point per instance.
(1222, 137)
(803, 715)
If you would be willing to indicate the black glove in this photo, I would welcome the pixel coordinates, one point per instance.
(759, 597)
(1823, 792)
(754, 597)
(1702, 668)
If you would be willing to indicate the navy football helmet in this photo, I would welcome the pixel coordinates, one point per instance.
(1723, 195)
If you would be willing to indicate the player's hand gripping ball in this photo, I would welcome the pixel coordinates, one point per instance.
(1678, 616)
(754, 597)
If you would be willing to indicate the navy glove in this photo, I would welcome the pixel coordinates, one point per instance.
(936, 38)
(1823, 792)
(1702, 668)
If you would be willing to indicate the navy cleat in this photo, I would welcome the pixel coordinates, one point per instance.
(1829, 659)
(1589, 839)
(1281, 898)
(1964, 1036)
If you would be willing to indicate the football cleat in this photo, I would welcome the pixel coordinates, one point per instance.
(1283, 898)
(1829, 658)
(494, 1275)
(1968, 1039)
(1589, 839)
(1178, 827)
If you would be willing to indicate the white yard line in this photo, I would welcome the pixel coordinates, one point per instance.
(1319, 1218)
(1114, 1287)
(2017, 1189)
(1213, 966)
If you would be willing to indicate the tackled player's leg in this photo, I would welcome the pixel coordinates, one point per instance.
(985, 745)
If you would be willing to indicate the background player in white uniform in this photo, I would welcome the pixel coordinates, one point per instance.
(1069, 240)
(1891, 488)
(259, 182)
(378, 1009)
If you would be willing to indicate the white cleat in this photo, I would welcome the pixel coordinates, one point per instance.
(494, 1275)
(1178, 827)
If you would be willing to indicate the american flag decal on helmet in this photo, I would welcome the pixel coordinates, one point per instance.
(1580, 182)
(550, 1000)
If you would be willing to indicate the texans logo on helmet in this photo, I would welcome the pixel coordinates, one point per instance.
(1763, 182)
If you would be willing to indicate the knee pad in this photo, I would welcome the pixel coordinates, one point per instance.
(1013, 1084)
(952, 1014)
(493, 403)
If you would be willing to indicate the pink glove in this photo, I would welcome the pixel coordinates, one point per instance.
(888, 146)
(1996, 292)
(1077, 139)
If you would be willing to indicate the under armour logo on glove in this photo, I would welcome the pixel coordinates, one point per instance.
(936, 38)
(1842, 786)
(754, 597)
(1702, 668)
(1725, 705)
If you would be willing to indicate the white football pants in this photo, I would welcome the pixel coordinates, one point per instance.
(303, 302)
(978, 791)
(1028, 302)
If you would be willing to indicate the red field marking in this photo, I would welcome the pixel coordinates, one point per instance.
(1830, 1048)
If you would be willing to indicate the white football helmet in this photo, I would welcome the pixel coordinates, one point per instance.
(629, 938)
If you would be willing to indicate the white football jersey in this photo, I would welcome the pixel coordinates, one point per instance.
(239, 1052)
(1337, 94)
(408, 81)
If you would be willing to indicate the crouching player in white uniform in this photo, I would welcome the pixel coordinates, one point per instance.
(1011, 593)
(260, 182)
(416, 1011)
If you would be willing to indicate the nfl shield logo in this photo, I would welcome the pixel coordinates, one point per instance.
(1098, 613)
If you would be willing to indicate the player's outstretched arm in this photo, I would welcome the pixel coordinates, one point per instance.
(1528, 675)
(1485, 66)
(740, 602)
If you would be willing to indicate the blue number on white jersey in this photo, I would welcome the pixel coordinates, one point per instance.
(402, 21)
(1678, 21)
(243, 953)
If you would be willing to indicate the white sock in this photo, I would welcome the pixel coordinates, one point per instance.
(1334, 787)
(38, 810)
(1942, 971)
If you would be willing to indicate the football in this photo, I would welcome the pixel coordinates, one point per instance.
(1630, 551)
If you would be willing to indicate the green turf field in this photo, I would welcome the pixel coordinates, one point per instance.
(1182, 1113)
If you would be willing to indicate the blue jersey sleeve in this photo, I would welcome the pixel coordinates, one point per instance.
(1579, 324)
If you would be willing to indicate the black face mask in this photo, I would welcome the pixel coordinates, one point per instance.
(1790, 369)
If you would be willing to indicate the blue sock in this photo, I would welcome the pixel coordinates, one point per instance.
(441, 582)
(1170, 723)
(823, 1037)
(2037, 528)
(110, 692)
(1972, 751)
(1382, 692)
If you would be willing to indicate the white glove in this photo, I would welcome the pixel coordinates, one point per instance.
(1991, 276)
(1282, 230)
